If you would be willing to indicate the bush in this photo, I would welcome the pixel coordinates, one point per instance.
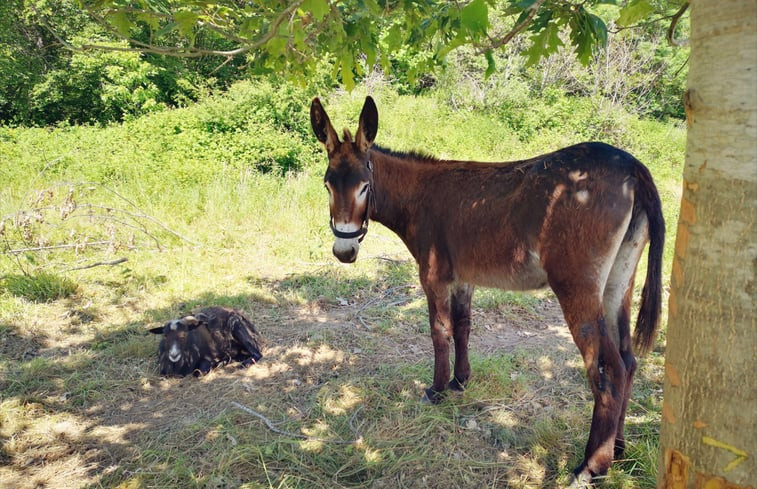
(96, 88)
(40, 287)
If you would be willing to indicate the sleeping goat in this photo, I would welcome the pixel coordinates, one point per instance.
(214, 336)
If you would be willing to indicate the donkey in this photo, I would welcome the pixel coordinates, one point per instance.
(213, 336)
(576, 220)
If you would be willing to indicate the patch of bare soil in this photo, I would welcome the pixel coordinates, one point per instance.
(307, 346)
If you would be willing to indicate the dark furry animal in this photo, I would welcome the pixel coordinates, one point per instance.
(214, 336)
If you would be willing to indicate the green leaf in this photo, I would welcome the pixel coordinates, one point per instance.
(393, 38)
(186, 22)
(540, 21)
(298, 38)
(634, 12)
(599, 28)
(166, 29)
(347, 77)
(450, 45)
(369, 49)
(491, 66)
(587, 31)
(543, 44)
(120, 20)
(149, 19)
(319, 8)
(475, 17)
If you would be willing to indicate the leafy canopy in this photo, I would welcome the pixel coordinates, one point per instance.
(293, 36)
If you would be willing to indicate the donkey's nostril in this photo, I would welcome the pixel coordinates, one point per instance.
(347, 254)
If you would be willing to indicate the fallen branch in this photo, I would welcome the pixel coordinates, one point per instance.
(358, 314)
(58, 247)
(141, 214)
(101, 263)
(273, 428)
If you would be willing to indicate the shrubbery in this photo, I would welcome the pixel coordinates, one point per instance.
(42, 83)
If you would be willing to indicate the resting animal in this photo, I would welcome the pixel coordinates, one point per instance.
(214, 336)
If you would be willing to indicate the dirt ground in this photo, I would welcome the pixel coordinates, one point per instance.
(307, 347)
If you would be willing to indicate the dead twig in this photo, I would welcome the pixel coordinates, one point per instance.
(387, 292)
(58, 247)
(101, 263)
(273, 428)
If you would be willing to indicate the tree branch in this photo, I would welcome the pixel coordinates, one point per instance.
(534, 8)
(245, 45)
(673, 24)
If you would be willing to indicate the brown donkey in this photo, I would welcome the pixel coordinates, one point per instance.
(576, 219)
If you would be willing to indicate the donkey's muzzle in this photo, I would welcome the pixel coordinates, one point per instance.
(345, 250)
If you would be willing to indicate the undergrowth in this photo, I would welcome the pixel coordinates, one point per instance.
(222, 203)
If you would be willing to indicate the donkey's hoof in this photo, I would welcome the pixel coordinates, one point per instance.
(430, 396)
(620, 449)
(582, 479)
(456, 385)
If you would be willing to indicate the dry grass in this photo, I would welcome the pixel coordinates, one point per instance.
(348, 352)
(348, 357)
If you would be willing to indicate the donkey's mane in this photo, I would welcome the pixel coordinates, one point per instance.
(413, 155)
(419, 158)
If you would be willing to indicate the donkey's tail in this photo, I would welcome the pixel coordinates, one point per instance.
(651, 295)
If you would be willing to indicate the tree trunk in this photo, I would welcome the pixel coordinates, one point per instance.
(709, 412)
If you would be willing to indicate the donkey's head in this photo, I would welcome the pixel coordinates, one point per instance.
(348, 178)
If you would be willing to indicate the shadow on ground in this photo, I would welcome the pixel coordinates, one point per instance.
(95, 412)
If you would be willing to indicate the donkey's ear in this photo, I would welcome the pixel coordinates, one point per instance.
(158, 330)
(322, 127)
(368, 125)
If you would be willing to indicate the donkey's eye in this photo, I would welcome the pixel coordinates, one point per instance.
(364, 189)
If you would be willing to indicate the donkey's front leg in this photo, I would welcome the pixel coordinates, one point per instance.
(461, 301)
(441, 332)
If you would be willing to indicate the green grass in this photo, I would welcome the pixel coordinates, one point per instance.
(38, 287)
(198, 202)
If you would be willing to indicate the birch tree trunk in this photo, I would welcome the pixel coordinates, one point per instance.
(709, 424)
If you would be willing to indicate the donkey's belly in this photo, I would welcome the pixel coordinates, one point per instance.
(526, 276)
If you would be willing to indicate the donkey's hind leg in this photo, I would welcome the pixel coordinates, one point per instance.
(461, 297)
(617, 300)
(605, 371)
(581, 299)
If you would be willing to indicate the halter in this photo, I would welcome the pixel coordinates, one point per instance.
(360, 233)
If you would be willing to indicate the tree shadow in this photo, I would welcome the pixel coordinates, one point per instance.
(110, 416)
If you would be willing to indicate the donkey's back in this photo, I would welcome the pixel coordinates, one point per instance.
(503, 224)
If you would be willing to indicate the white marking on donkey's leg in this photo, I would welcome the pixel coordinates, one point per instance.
(605, 267)
(622, 273)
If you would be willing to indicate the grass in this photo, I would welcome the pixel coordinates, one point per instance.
(39, 287)
(347, 354)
